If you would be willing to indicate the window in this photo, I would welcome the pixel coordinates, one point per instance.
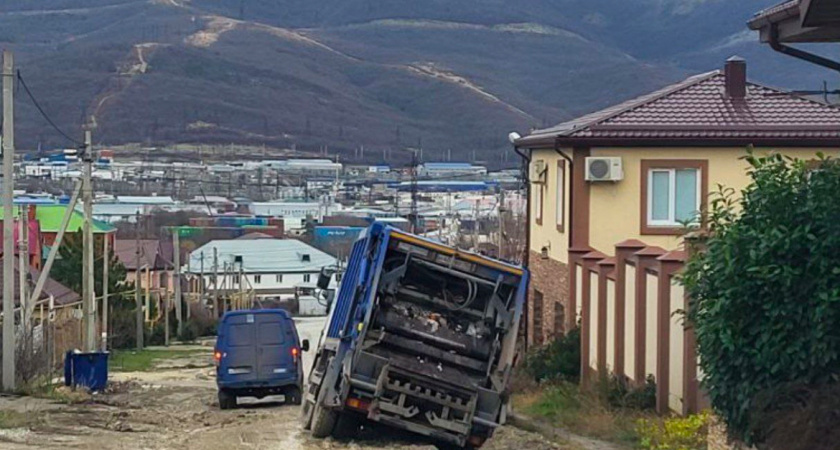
(306, 278)
(236, 279)
(279, 278)
(561, 195)
(537, 191)
(559, 318)
(538, 317)
(673, 194)
(257, 279)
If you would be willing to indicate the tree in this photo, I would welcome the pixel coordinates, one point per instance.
(765, 298)
(67, 270)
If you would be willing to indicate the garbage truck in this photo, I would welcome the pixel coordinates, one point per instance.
(421, 337)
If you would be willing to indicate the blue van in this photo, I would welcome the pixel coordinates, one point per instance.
(257, 354)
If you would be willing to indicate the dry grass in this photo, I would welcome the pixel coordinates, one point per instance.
(16, 419)
(565, 406)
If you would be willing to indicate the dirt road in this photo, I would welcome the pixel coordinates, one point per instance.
(175, 407)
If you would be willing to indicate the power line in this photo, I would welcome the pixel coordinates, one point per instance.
(43, 113)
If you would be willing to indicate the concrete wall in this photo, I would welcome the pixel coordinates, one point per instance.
(651, 305)
(676, 350)
(611, 325)
(592, 320)
(630, 322)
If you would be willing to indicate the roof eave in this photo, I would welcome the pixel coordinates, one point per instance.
(791, 26)
(763, 19)
(696, 142)
(536, 141)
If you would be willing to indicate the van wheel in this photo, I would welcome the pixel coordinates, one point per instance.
(323, 421)
(292, 395)
(226, 399)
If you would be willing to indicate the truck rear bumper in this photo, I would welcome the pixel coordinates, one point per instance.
(426, 406)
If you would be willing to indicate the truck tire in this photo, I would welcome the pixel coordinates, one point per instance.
(227, 400)
(292, 395)
(346, 427)
(323, 421)
(306, 415)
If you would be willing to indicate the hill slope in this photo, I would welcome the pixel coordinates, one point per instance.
(344, 73)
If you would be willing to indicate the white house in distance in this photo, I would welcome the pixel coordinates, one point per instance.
(273, 268)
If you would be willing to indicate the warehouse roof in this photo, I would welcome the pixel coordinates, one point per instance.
(261, 256)
(50, 216)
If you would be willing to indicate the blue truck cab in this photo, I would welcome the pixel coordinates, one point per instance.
(257, 354)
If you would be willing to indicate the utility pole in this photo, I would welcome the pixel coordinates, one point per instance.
(501, 224)
(138, 302)
(179, 315)
(414, 191)
(475, 227)
(8, 223)
(201, 280)
(22, 252)
(105, 270)
(216, 282)
(88, 289)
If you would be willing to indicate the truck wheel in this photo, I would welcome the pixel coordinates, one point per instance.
(306, 415)
(226, 399)
(346, 427)
(323, 421)
(292, 395)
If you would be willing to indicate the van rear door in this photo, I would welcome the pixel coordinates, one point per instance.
(276, 341)
(241, 343)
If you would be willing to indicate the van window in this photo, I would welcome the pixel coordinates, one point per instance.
(271, 333)
(241, 335)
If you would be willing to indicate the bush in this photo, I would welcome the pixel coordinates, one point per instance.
(559, 360)
(676, 433)
(620, 394)
(582, 411)
(765, 290)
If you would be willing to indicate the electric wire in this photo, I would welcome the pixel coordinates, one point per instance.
(44, 114)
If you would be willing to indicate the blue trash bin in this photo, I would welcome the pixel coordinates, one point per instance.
(86, 369)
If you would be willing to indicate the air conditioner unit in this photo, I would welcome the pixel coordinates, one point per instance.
(538, 172)
(604, 169)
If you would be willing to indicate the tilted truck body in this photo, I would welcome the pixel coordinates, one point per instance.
(421, 337)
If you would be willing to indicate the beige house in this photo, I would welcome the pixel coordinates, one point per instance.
(611, 194)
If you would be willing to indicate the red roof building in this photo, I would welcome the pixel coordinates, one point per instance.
(719, 108)
(611, 195)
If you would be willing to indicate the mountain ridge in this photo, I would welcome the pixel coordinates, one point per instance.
(308, 74)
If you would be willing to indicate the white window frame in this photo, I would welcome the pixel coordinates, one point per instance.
(672, 196)
(257, 279)
(538, 202)
(278, 278)
(307, 278)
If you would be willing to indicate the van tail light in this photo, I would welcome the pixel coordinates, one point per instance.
(295, 354)
(217, 357)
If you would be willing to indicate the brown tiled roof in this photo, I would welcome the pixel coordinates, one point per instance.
(697, 112)
(61, 294)
(152, 254)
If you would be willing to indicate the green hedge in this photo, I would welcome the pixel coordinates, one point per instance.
(765, 288)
